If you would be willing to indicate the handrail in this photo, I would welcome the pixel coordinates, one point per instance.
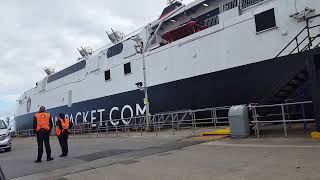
(283, 117)
(248, 3)
(310, 43)
(312, 17)
(292, 41)
(295, 39)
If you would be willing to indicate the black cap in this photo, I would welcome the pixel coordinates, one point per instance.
(42, 109)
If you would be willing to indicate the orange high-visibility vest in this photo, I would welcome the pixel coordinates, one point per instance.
(43, 121)
(65, 126)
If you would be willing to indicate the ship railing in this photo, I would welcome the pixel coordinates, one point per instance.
(248, 3)
(287, 115)
(228, 5)
(304, 40)
(212, 21)
(241, 4)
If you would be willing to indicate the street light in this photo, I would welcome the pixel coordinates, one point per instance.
(140, 48)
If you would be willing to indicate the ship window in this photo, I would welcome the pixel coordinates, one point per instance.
(115, 50)
(72, 69)
(107, 75)
(127, 68)
(265, 20)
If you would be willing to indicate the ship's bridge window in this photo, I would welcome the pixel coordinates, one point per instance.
(265, 20)
(127, 68)
(115, 50)
(72, 69)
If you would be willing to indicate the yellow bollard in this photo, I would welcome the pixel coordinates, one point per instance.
(315, 135)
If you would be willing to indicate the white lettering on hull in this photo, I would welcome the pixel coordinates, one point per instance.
(76, 119)
(127, 120)
(93, 117)
(100, 111)
(98, 114)
(110, 116)
(85, 115)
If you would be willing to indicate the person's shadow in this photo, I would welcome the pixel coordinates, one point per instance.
(2, 176)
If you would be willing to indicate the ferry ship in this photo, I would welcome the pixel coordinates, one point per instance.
(204, 54)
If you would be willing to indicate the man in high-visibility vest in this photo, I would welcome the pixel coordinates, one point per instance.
(42, 125)
(62, 131)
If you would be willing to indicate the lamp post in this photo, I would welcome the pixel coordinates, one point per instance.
(140, 48)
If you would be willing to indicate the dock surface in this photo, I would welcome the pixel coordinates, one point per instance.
(167, 156)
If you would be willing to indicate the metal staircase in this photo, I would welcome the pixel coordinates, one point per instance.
(289, 89)
(302, 42)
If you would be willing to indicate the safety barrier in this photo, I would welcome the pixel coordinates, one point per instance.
(172, 121)
(262, 116)
(285, 114)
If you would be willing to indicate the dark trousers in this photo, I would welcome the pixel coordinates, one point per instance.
(43, 138)
(63, 141)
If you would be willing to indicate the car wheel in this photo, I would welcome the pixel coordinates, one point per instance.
(8, 149)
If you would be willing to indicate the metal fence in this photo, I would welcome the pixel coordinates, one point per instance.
(212, 21)
(230, 4)
(242, 4)
(285, 114)
(169, 121)
(262, 116)
(248, 3)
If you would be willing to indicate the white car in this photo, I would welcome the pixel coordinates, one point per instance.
(5, 137)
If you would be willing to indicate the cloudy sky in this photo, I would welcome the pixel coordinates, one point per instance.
(40, 33)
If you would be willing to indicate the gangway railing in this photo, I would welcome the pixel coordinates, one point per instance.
(281, 114)
(307, 42)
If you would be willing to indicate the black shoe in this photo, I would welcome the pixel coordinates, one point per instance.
(37, 161)
(61, 155)
(49, 159)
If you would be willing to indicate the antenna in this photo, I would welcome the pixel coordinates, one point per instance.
(115, 36)
(169, 2)
(49, 70)
(85, 52)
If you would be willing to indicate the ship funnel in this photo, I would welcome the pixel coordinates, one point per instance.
(115, 36)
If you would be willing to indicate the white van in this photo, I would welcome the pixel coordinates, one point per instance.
(5, 137)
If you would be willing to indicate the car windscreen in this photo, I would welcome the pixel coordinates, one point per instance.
(3, 125)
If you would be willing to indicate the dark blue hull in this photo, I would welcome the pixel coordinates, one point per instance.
(240, 85)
